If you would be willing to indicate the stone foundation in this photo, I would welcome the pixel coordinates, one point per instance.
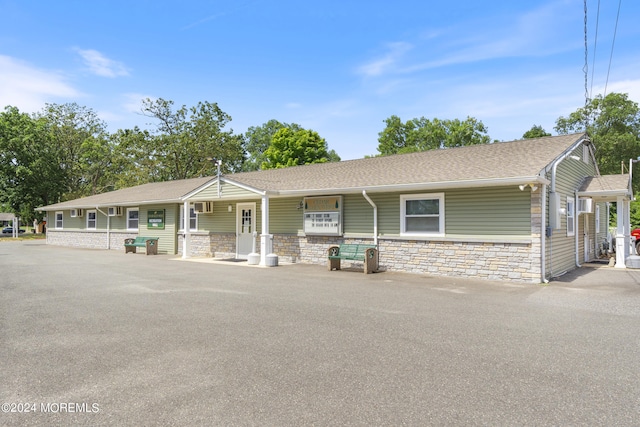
(518, 262)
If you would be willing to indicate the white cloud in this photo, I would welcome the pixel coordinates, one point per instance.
(101, 65)
(388, 62)
(133, 102)
(29, 88)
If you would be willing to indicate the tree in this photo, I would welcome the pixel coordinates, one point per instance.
(30, 169)
(258, 139)
(84, 150)
(536, 131)
(186, 140)
(423, 134)
(613, 124)
(293, 148)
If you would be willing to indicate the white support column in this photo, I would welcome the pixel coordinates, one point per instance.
(186, 239)
(265, 237)
(622, 232)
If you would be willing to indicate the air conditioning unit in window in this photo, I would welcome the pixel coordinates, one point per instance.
(76, 213)
(585, 205)
(115, 211)
(203, 207)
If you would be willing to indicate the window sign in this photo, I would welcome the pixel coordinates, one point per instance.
(323, 215)
(155, 219)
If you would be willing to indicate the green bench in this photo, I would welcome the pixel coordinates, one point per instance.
(353, 252)
(149, 243)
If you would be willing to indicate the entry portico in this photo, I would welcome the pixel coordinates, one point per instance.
(613, 189)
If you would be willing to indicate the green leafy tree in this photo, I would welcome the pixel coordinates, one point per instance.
(613, 124)
(536, 131)
(84, 149)
(186, 140)
(421, 134)
(258, 139)
(31, 174)
(293, 148)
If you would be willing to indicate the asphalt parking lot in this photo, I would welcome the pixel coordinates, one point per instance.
(92, 337)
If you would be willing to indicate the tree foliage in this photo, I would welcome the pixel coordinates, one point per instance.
(30, 171)
(613, 124)
(258, 139)
(536, 131)
(83, 147)
(186, 140)
(423, 134)
(292, 148)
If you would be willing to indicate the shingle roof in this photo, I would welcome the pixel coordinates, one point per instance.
(145, 193)
(524, 159)
(501, 160)
(605, 184)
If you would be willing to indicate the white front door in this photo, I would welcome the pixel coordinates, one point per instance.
(245, 220)
(587, 244)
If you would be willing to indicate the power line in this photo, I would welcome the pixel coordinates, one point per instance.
(586, 59)
(612, 45)
(595, 47)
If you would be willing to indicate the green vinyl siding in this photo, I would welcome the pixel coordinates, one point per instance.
(285, 217)
(167, 243)
(357, 214)
(501, 211)
(221, 220)
(561, 249)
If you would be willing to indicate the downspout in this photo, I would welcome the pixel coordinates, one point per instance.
(543, 236)
(187, 235)
(576, 216)
(108, 227)
(375, 217)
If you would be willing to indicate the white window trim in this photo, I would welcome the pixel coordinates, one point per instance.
(403, 208)
(55, 220)
(182, 218)
(95, 220)
(130, 210)
(571, 213)
(597, 218)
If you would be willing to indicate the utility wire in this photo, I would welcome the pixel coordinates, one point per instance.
(612, 45)
(595, 47)
(586, 59)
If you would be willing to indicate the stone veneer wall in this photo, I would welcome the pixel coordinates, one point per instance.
(491, 261)
(88, 239)
(216, 245)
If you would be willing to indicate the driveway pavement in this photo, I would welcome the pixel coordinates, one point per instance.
(93, 337)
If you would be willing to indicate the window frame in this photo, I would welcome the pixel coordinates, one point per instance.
(598, 218)
(55, 220)
(95, 219)
(571, 214)
(194, 218)
(424, 196)
(129, 210)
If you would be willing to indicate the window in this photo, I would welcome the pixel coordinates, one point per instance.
(422, 214)
(91, 220)
(59, 217)
(193, 218)
(597, 218)
(571, 203)
(132, 219)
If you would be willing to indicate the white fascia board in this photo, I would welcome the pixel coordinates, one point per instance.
(499, 182)
(612, 194)
(227, 181)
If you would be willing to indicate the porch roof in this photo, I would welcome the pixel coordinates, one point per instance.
(605, 188)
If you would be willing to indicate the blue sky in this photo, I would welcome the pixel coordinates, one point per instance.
(337, 67)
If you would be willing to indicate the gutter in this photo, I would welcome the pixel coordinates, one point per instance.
(543, 236)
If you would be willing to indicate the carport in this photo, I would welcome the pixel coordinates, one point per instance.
(614, 189)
